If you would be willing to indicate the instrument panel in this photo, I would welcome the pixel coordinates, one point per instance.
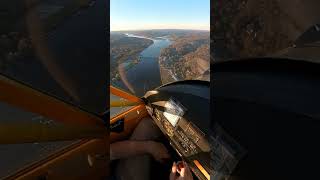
(182, 112)
(188, 140)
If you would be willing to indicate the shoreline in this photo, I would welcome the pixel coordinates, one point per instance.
(131, 63)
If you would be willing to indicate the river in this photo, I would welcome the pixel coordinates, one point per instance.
(145, 75)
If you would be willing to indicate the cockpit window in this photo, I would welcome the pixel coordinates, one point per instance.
(48, 46)
(59, 48)
(149, 48)
(248, 28)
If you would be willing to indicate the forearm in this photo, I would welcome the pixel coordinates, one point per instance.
(124, 149)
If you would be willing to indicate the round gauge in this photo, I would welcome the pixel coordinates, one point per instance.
(168, 127)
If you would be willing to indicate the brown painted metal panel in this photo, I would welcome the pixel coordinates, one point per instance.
(31, 100)
(123, 94)
(87, 159)
(131, 119)
(77, 122)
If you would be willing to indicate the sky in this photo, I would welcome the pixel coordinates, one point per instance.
(159, 14)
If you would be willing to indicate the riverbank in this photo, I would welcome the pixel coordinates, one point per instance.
(167, 75)
(125, 51)
(145, 74)
(188, 57)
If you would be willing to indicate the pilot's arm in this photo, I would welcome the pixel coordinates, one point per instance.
(128, 148)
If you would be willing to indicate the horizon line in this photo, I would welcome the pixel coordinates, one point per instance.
(161, 29)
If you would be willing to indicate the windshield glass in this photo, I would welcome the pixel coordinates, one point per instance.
(249, 28)
(59, 48)
(48, 46)
(148, 49)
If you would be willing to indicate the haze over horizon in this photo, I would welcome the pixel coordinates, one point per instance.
(159, 14)
(124, 30)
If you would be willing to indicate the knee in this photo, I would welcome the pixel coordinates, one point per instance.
(146, 130)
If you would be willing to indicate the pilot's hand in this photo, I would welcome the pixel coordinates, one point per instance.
(180, 172)
(158, 151)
